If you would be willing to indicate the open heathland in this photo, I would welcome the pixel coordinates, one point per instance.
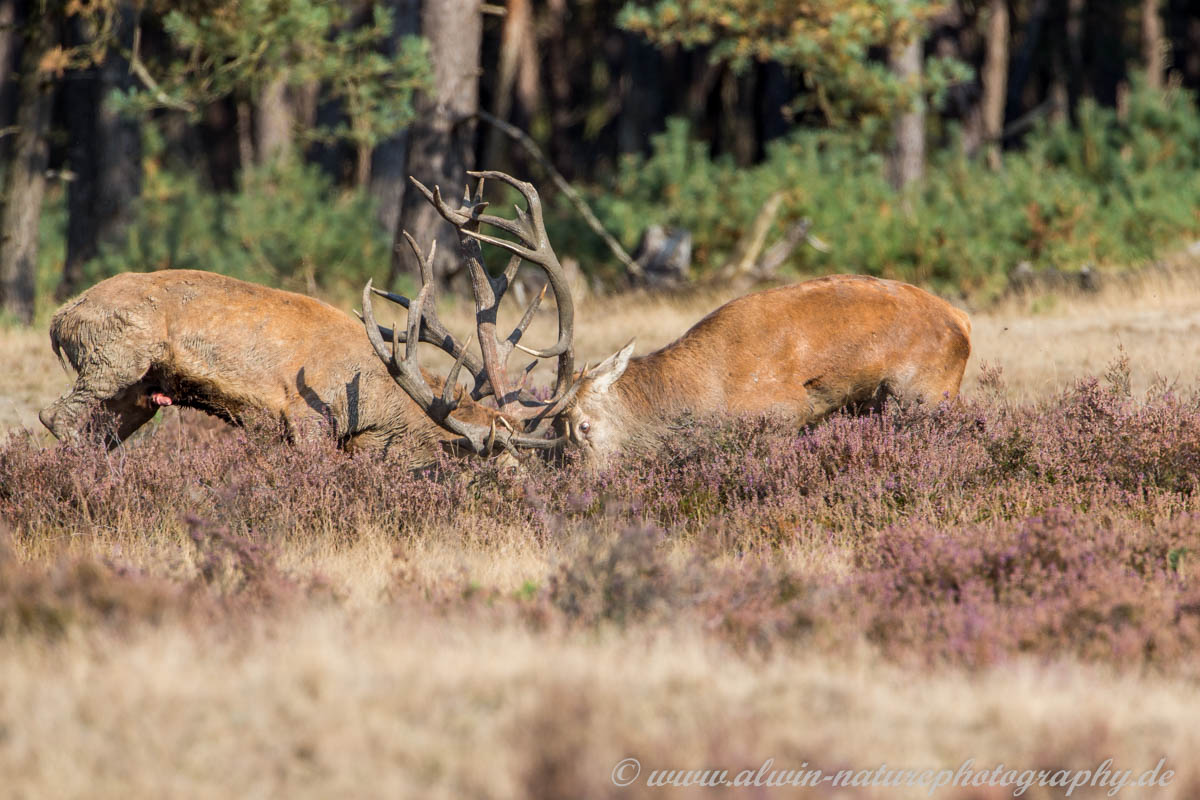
(1013, 579)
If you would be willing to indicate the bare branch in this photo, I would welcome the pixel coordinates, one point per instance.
(585, 211)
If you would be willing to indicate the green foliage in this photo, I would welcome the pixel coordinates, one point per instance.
(285, 226)
(1110, 191)
(238, 48)
(829, 41)
(52, 245)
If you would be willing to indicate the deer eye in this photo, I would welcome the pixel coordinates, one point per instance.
(585, 426)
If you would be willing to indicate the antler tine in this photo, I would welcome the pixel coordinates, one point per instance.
(398, 299)
(512, 247)
(425, 264)
(453, 216)
(452, 377)
(519, 331)
(510, 271)
(458, 216)
(525, 373)
(374, 336)
(415, 313)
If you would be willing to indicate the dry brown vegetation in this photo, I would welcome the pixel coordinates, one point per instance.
(206, 614)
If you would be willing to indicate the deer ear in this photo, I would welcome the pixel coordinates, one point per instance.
(610, 369)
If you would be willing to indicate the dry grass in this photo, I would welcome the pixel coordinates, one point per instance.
(388, 704)
(413, 674)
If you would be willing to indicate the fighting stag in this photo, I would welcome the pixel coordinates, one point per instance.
(140, 341)
(800, 351)
(803, 351)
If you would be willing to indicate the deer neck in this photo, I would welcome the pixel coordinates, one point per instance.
(659, 386)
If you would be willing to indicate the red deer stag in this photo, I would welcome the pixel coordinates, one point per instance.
(139, 341)
(804, 350)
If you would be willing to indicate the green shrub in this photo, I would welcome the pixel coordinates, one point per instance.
(1106, 190)
(285, 226)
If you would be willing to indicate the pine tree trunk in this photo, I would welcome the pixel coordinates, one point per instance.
(9, 45)
(908, 154)
(1077, 82)
(1023, 61)
(274, 121)
(1153, 43)
(389, 157)
(516, 78)
(736, 122)
(556, 35)
(441, 141)
(245, 135)
(995, 79)
(104, 153)
(1187, 47)
(1057, 92)
(25, 183)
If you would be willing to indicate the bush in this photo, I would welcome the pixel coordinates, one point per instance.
(1109, 191)
(286, 226)
(964, 534)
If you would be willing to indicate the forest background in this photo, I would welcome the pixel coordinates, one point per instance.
(941, 143)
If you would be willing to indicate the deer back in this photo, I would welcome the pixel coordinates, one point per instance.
(227, 346)
(802, 351)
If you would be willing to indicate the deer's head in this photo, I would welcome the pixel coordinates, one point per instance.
(595, 421)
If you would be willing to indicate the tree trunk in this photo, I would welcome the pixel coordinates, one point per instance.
(275, 119)
(1188, 50)
(104, 153)
(642, 93)
(774, 92)
(9, 46)
(556, 34)
(908, 154)
(1077, 82)
(245, 135)
(218, 136)
(389, 158)
(25, 184)
(441, 141)
(1154, 46)
(736, 122)
(1057, 93)
(1022, 62)
(517, 76)
(995, 79)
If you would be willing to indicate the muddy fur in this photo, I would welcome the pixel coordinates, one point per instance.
(231, 349)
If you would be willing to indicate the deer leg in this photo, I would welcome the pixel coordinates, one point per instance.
(122, 415)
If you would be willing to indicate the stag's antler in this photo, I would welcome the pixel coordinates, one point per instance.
(432, 330)
(491, 377)
(533, 246)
